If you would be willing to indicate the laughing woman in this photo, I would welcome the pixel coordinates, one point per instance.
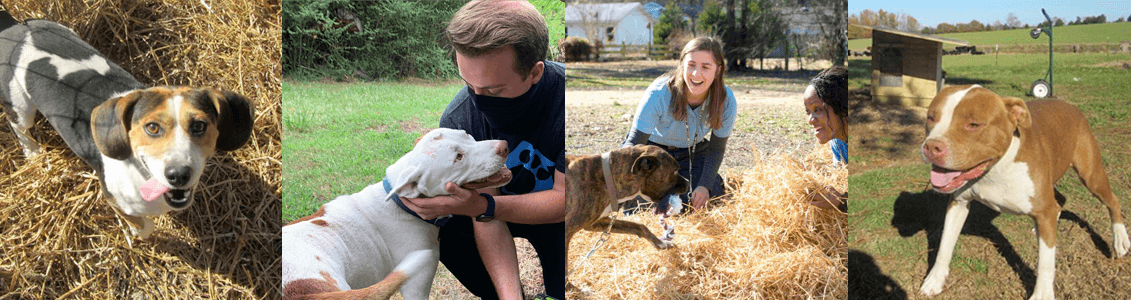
(681, 108)
(826, 104)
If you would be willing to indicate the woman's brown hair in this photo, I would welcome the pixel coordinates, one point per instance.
(717, 91)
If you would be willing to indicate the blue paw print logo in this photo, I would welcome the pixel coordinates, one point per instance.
(531, 170)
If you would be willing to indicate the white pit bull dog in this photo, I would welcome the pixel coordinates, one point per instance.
(356, 240)
(1007, 154)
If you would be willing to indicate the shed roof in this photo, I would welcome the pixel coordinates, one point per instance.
(928, 37)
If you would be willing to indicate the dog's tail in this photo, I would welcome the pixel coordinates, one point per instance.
(412, 264)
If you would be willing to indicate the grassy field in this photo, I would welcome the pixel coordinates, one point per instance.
(1076, 34)
(896, 224)
(338, 138)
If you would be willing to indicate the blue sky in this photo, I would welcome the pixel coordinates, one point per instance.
(933, 12)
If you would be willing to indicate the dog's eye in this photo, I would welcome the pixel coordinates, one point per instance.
(973, 126)
(197, 128)
(459, 156)
(153, 129)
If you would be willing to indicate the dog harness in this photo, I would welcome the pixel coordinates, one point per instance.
(396, 198)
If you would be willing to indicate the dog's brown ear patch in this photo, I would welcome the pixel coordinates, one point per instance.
(236, 119)
(110, 126)
(1018, 112)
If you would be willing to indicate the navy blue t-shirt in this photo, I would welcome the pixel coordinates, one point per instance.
(532, 124)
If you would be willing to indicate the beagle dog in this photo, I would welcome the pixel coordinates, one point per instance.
(147, 145)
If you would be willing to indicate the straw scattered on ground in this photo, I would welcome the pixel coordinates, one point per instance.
(58, 236)
(762, 240)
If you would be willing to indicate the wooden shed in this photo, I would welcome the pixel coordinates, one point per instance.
(907, 66)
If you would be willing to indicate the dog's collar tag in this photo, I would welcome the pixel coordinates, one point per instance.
(608, 172)
(396, 198)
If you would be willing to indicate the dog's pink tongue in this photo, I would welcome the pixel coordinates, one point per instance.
(152, 189)
(941, 177)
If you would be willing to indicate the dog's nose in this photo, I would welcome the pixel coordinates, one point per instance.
(501, 148)
(178, 176)
(935, 149)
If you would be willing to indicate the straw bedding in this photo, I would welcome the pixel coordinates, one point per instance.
(58, 236)
(762, 241)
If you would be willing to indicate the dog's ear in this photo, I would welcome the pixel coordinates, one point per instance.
(645, 163)
(110, 125)
(1018, 112)
(236, 119)
(407, 188)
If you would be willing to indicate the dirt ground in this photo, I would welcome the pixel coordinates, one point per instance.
(771, 117)
(768, 122)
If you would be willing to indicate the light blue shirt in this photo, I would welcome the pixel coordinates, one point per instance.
(654, 117)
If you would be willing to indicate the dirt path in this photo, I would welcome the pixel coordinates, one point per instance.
(769, 122)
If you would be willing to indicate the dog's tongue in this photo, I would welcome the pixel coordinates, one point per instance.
(942, 177)
(947, 180)
(152, 189)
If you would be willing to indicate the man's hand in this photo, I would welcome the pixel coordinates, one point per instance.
(699, 197)
(461, 202)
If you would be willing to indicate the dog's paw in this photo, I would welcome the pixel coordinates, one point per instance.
(1119, 239)
(1042, 294)
(145, 231)
(933, 285)
(664, 245)
(30, 152)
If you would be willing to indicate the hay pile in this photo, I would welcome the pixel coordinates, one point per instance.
(59, 238)
(764, 241)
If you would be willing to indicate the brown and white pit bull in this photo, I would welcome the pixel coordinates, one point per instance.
(645, 171)
(1007, 154)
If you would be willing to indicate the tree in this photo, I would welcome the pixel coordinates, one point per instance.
(590, 21)
(945, 28)
(908, 23)
(711, 19)
(670, 19)
(1058, 22)
(997, 25)
(1012, 21)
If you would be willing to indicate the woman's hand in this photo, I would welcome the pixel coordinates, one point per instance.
(828, 197)
(699, 197)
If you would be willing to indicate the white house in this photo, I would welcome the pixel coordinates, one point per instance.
(610, 23)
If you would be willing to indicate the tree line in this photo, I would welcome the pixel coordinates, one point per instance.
(755, 29)
(905, 22)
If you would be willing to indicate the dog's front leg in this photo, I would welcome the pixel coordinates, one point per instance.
(625, 227)
(141, 227)
(952, 226)
(1046, 255)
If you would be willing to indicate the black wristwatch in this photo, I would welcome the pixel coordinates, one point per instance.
(490, 213)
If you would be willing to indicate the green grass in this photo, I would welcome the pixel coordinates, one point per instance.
(889, 203)
(1076, 34)
(339, 138)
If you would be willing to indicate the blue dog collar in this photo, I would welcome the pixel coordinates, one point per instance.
(397, 199)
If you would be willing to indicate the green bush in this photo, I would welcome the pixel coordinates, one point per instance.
(398, 39)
